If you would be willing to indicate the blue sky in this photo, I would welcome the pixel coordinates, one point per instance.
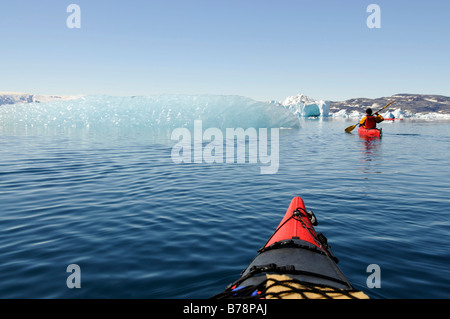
(257, 48)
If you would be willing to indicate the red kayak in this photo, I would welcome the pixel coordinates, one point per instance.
(372, 132)
(295, 263)
(392, 119)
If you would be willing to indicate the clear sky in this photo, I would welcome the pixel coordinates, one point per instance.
(263, 49)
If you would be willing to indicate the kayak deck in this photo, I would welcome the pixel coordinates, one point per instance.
(301, 260)
(296, 262)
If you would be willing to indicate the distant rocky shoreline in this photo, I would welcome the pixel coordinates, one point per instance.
(413, 103)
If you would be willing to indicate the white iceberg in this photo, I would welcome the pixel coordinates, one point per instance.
(303, 106)
(160, 112)
(432, 116)
(397, 114)
(340, 114)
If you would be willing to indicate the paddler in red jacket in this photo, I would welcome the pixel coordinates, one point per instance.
(369, 121)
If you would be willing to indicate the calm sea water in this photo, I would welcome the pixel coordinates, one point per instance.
(141, 226)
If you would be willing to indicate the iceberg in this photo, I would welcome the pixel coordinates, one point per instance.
(344, 114)
(158, 112)
(397, 114)
(303, 106)
(340, 114)
(388, 115)
(433, 116)
(18, 98)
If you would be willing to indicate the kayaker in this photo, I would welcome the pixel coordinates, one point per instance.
(369, 121)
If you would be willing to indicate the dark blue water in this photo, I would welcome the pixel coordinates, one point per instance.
(140, 226)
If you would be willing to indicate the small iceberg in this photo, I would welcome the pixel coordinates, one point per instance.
(396, 114)
(303, 106)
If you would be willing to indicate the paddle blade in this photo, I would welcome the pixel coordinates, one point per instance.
(350, 128)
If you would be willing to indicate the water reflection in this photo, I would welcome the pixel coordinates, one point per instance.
(370, 154)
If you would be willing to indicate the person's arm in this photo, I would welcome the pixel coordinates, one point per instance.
(363, 120)
(379, 118)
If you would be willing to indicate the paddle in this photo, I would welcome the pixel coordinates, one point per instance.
(351, 128)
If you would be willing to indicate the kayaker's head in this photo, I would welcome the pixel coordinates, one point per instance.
(369, 111)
